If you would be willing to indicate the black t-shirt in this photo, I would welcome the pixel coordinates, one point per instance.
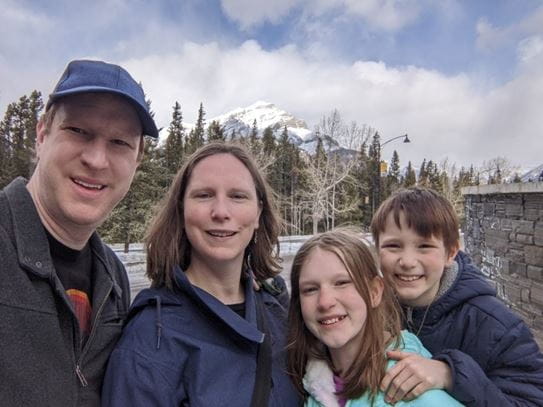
(238, 309)
(74, 270)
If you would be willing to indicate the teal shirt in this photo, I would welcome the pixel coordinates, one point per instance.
(318, 382)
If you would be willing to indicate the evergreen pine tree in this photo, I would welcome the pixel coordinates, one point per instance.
(173, 147)
(18, 137)
(215, 132)
(196, 135)
(410, 178)
(268, 142)
(393, 175)
(362, 175)
(423, 175)
(374, 155)
(254, 142)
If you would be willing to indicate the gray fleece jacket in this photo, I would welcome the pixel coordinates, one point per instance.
(42, 360)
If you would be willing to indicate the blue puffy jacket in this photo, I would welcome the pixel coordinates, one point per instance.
(184, 347)
(491, 352)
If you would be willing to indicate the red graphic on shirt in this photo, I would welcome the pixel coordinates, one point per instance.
(82, 309)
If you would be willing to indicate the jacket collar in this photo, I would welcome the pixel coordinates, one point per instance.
(246, 328)
(462, 283)
(319, 382)
(31, 240)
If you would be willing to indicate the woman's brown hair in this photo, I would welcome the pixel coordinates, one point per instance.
(167, 245)
(368, 368)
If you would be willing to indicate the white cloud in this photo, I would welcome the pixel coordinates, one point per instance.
(387, 15)
(530, 48)
(490, 37)
(444, 116)
(253, 12)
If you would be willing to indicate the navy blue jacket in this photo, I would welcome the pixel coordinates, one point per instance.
(184, 347)
(491, 352)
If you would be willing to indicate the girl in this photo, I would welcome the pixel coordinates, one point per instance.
(343, 316)
(202, 336)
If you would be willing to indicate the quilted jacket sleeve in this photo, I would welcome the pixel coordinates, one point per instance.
(513, 375)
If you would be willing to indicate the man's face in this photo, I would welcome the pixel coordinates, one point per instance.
(86, 160)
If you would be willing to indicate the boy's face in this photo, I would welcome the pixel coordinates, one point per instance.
(415, 263)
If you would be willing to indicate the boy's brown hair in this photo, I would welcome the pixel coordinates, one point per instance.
(425, 211)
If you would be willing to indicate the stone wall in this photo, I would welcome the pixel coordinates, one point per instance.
(503, 233)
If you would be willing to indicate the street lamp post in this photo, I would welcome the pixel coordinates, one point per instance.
(377, 179)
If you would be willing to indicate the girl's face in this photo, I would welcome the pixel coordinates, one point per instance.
(221, 210)
(332, 308)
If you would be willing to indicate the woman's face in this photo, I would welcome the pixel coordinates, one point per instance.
(221, 210)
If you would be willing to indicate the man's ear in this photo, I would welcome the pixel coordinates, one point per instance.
(141, 149)
(376, 291)
(41, 133)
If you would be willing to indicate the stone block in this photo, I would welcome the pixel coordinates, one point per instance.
(516, 245)
(506, 224)
(512, 293)
(516, 255)
(513, 211)
(534, 273)
(489, 208)
(533, 200)
(517, 268)
(532, 214)
(500, 208)
(497, 239)
(536, 295)
(538, 234)
(534, 255)
(525, 295)
(524, 239)
(505, 265)
(525, 227)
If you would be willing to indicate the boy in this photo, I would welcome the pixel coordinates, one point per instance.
(484, 354)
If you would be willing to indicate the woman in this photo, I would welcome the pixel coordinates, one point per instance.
(201, 334)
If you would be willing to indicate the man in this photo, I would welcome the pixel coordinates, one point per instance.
(63, 294)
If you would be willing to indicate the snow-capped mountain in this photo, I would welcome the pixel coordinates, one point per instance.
(532, 175)
(266, 115)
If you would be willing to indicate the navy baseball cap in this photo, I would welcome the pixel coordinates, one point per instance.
(86, 76)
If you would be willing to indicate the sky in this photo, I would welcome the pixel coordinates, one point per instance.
(464, 78)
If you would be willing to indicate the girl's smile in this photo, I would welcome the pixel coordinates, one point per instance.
(332, 308)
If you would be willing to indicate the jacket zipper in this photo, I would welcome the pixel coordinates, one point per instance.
(78, 371)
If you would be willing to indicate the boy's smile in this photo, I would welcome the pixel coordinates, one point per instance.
(415, 262)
